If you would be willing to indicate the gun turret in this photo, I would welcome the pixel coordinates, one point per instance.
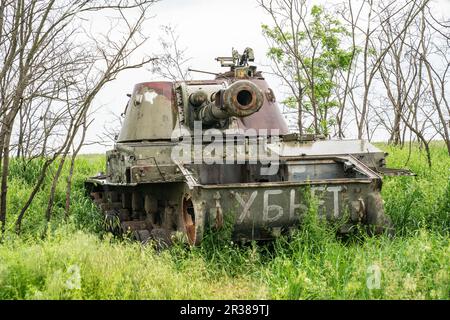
(241, 99)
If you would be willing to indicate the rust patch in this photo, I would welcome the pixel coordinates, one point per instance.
(164, 88)
(189, 219)
(268, 117)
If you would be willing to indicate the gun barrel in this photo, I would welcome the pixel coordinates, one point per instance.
(241, 99)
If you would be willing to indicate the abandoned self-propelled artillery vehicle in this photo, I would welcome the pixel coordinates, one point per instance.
(191, 154)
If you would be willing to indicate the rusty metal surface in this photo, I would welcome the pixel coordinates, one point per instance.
(264, 212)
(269, 117)
(155, 197)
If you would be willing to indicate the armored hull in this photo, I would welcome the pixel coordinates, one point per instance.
(196, 155)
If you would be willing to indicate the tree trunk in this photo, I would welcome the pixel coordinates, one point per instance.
(32, 195)
(51, 198)
(4, 182)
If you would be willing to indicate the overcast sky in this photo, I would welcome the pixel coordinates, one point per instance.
(208, 28)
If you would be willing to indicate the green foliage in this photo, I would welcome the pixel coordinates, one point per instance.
(419, 202)
(80, 266)
(319, 56)
(24, 175)
(74, 262)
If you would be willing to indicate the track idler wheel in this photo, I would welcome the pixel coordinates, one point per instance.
(192, 220)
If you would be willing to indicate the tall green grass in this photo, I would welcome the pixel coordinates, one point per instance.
(423, 201)
(76, 261)
(23, 176)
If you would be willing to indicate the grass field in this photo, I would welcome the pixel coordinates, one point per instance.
(75, 260)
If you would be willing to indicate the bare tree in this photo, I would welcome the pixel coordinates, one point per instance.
(400, 13)
(172, 62)
(288, 17)
(51, 62)
(415, 88)
(438, 76)
(347, 80)
(111, 128)
(115, 57)
(75, 151)
(399, 46)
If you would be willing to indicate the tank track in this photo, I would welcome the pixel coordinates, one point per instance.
(121, 220)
